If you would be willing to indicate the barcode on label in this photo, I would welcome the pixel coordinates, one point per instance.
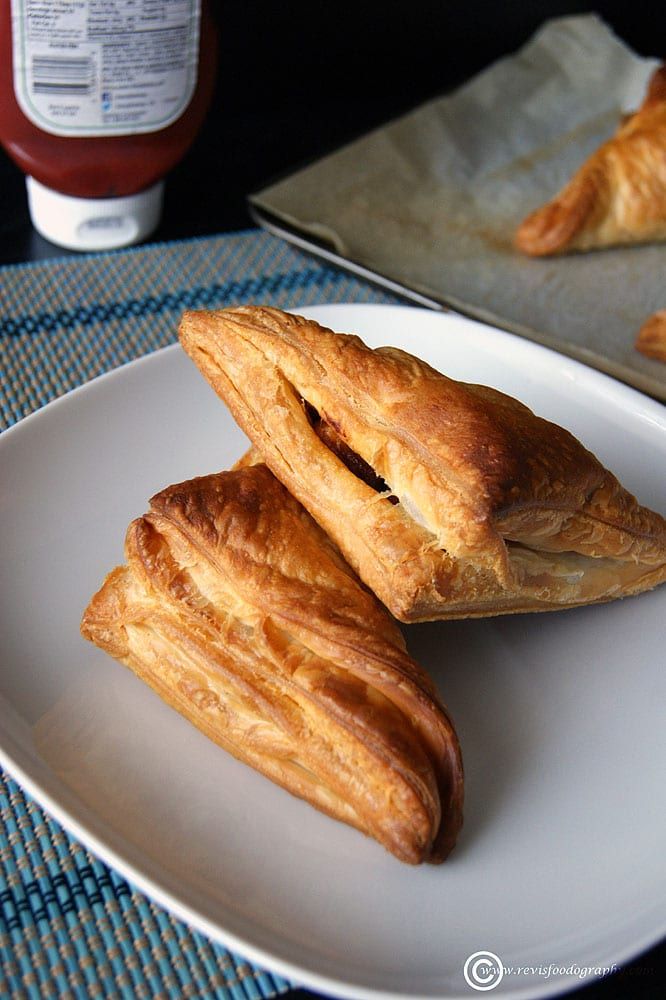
(61, 75)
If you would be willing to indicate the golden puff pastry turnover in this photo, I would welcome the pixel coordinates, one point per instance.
(617, 197)
(449, 500)
(238, 611)
(651, 339)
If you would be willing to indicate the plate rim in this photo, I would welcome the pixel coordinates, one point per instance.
(643, 403)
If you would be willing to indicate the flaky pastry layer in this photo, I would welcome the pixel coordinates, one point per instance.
(617, 197)
(448, 499)
(651, 338)
(238, 610)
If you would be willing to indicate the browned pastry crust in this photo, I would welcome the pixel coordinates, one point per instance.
(472, 505)
(617, 197)
(236, 608)
(651, 339)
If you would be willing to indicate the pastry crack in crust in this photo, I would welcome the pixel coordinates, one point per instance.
(331, 436)
(238, 610)
(497, 510)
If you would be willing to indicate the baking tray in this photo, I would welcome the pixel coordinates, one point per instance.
(427, 205)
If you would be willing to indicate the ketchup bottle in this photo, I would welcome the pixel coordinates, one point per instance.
(98, 101)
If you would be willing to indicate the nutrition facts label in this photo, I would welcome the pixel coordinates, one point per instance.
(104, 67)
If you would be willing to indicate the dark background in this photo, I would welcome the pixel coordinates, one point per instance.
(296, 80)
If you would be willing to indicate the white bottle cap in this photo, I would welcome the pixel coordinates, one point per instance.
(93, 223)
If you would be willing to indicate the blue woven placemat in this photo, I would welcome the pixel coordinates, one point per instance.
(69, 925)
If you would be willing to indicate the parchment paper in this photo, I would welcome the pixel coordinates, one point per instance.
(431, 201)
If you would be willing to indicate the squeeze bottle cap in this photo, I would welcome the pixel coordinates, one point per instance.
(93, 223)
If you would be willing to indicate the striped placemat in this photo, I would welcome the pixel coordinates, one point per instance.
(69, 925)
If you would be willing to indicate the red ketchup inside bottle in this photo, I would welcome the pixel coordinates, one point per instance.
(98, 102)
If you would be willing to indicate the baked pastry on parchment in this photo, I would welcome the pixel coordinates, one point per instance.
(617, 197)
(238, 610)
(651, 338)
(450, 500)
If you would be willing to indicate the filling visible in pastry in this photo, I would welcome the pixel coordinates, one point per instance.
(331, 437)
(538, 569)
(237, 609)
(492, 509)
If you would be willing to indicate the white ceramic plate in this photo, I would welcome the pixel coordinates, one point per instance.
(561, 861)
